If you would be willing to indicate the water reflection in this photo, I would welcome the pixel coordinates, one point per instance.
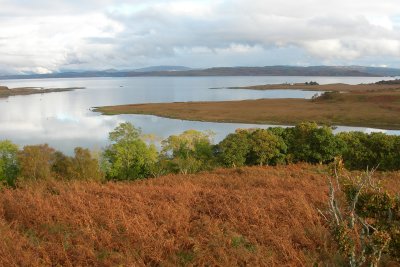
(64, 120)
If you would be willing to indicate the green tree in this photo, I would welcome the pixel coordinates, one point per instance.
(266, 148)
(355, 154)
(383, 151)
(234, 149)
(371, 150)
(8, 163)
(128, 157)
(189, 152)
(310, 143)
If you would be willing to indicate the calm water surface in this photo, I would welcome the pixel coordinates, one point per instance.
(64, 120)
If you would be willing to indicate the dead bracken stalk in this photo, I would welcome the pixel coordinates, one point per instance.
(359, 241)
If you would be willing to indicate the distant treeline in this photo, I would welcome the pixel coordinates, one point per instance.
(132, 156)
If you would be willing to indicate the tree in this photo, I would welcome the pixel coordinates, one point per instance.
(266, 148)
(375, 150)
(85, 167)
(128, 157)
(190, 151)
(383, 151)
(62, 166)
(234, 149)
(8, 163)
(310, 143)
(355, 153)
(36, 162)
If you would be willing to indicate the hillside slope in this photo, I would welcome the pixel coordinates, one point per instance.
(259, 216)
(254, 216)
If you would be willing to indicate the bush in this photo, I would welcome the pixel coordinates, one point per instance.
(365, 219)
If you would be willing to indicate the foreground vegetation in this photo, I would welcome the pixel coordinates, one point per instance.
(374, 105)
(259, 216)
(69, 211)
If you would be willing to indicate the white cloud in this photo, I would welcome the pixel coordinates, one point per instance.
(43, 35)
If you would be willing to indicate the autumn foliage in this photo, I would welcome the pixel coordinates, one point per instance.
(251, 216)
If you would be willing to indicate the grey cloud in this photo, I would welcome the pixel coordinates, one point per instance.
(205, 33)
(265, 30)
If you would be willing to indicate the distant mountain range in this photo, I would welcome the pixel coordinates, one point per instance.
(181, 71)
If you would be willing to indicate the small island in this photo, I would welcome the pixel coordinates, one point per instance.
(6, 92)
(366, 105)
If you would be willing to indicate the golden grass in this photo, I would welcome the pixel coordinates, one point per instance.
(259, 216)
(251, 216)
(379, 109)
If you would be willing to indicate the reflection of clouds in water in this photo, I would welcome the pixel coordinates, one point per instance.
(63, 135)
(369, 130)
(64, 120)
(55, 129)
(365, 130)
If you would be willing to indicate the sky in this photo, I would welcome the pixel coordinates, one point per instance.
(45, 36)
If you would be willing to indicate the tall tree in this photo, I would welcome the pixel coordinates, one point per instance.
(128, 157)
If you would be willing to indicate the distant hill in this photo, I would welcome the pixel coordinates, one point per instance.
(180, 71)
(163, 68)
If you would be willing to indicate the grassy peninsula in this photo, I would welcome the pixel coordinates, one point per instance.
(6, 92)
(334, 87)
(372, 105)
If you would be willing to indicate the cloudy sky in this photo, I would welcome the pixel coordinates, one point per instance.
(47, 36)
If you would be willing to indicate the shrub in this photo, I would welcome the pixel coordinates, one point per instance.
(365, 219)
